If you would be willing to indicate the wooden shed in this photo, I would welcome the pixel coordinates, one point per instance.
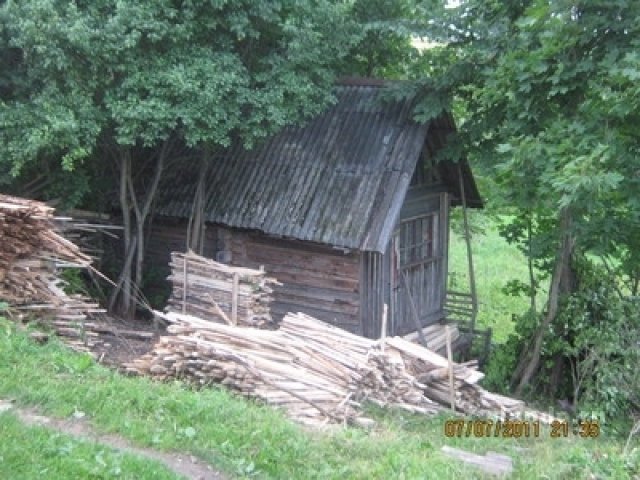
(349, 212)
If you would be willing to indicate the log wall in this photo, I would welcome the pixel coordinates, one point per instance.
(317, 280)
(170, 235)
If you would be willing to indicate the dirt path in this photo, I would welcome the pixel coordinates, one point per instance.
(186, 465)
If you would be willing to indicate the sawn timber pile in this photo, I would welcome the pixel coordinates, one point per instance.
(213, 290)
(435, 336)
(31, 254)
(316, 372)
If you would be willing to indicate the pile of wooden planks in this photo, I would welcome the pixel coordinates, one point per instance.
(215, 291)
(460, 389)
(31, 254)
(316, 372)
(88, 230)
(435, 336)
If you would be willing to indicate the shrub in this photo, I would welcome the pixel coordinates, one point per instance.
(74, 281)
(596, 339)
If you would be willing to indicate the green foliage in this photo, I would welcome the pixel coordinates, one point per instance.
(602, 339)
(74, 280)
(532, 233)
(478, 223)
(384, 48)
(119, 89)
(90, 77)
(503, 357)
(155, 286)
(597, 333)
(548, 103)
(601, 463)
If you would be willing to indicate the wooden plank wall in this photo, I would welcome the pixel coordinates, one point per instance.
(170, 235)
(373, 294)
(317, 280)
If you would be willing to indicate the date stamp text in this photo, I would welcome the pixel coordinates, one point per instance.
(462, 427)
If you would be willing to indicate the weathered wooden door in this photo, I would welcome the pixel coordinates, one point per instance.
(418, 265)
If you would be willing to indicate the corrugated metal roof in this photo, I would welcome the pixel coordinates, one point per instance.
(339, 180)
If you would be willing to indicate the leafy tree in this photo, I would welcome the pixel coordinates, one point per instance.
(385, 48)
(131, 83)
(549, 95)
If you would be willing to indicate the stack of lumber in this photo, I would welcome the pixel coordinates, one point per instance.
(26, 229)
(435, 336)
(432, 371)
(87, 230)
(215, 291)
(31, 253)
(93, 329)
(316, 372)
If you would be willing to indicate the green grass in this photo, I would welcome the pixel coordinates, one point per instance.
(37, 452)
(247, 439)
(496, 262)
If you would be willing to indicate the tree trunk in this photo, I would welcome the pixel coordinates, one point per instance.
(126, 293)
(557, 373)
(561, 281)
(142, 213)
(532, 277)
(121, 295)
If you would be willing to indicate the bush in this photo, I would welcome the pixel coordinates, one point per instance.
(504, 357)
(155, 286)
(74, 282)
(605, 352)
(596, 339)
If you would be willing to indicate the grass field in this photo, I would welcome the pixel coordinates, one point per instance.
(241, 437)
(37, 452)
(496, 262)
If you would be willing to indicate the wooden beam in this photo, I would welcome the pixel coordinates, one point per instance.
(452, 389)
(234, 299)
(491, 463)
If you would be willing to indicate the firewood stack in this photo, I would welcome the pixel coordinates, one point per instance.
(215, 291)
(31, 251)
(316, 372)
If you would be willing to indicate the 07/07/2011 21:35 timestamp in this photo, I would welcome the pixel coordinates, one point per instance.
(520, 428)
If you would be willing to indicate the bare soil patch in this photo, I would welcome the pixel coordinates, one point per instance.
(116, 349)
